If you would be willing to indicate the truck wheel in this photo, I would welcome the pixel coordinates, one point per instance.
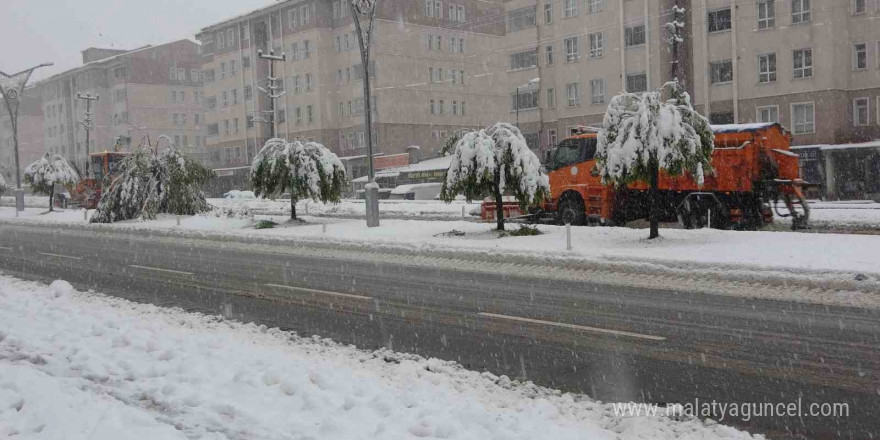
(571, 211)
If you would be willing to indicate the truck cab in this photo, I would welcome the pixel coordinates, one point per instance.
(576, 191)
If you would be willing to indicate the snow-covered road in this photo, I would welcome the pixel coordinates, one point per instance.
(85, 366)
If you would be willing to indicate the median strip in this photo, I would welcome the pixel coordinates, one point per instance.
(160, 270)
(575, 327)
(59, 256)
(322, 292)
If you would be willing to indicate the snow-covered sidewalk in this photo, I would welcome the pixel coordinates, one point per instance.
(84, 366)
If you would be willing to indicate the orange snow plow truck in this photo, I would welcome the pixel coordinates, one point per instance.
(754, 175)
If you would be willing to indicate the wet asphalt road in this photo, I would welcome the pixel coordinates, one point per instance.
(613, 343)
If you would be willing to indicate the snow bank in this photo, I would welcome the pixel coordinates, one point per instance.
(84, 366)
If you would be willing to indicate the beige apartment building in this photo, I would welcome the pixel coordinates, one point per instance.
(567, 58)
(425, 81)
(154, 90)
(813, 66)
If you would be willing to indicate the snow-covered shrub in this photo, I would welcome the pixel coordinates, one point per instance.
(641, 135)
(48, 171)
(307, 170)
(147, 183)
(494, 162)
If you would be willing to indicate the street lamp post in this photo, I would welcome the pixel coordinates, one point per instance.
(528, 84)
(12, 89)
(87, 123)
(366, 10)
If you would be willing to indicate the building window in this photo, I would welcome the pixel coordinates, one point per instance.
(522, 18)
(637, 83)
(551, 137)
(800, 11)
(860, 56)
(463, 108)
(304, 15)
(220, 39)
(573, 93)
(429, 8)
(225, 99)
(719, 20)
(597, 91)
(721, 72)
(766, 14)
(768, 113)
(597, 45)
(230, 37)
(524, 60)
(248, 93)
(172, 74)
(226, 126)
(432, 106)
(767, 68)
(635, 35)
(524, 100)
(306, 50)
(299, 115)
(234, 96)
(572, 51)
(551, 98)
(309, 82)
(548, 13)
(438, 9)
(310, 114)
(803, 117)
(197, 119)
(803, 63)
(861, 111)
(570, 8)
(721, 118)
(859, 6)
(594, 6)
(461, 17)
(548, 54)
(282, 116)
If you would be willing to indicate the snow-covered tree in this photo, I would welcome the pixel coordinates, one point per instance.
(493, 162)
(641, 135)
(48, 171)
(307, 170)
(147, 183)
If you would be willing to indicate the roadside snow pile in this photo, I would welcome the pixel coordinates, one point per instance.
(83, 366)
(239, 195)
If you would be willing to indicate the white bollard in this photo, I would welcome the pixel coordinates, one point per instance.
(462, 211)
(178, 220)
(710, 218)
(324, 228)
(85, 214)
(568, 236)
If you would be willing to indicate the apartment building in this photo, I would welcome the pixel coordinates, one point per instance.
(30, 135)
(434, 70)
(151, 91)
(567, 58)
(813, 66)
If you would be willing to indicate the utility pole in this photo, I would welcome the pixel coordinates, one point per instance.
(12, 89)
(366, 10)
(272, 89)
(675, 39)
(87, 124)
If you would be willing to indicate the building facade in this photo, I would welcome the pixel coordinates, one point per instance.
(151, 91)
(30, 135)
(425, 81)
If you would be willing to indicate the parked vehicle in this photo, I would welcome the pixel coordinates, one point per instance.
(416, 191)
(753, 170)
(87, 193)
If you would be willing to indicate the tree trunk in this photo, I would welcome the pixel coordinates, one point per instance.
(654, 198)
(499, 203)
(52, 201)
(292, 209)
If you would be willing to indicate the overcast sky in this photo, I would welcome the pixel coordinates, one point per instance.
(36, 31)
